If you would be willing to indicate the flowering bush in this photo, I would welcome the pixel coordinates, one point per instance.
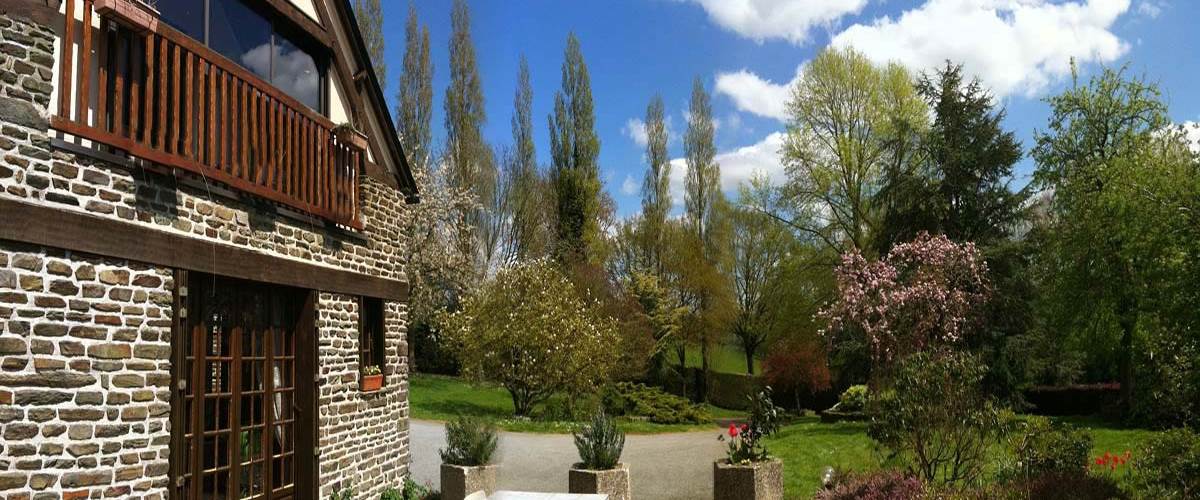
(745, 441)
(923, 293)
(878, 485)
(532, 331)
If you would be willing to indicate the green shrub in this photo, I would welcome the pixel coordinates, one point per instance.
(1041, 447)
(346, 494)
(854, 399)
(936, 419)
(470, 442)
(1052, 486)
(411, 491)
(745, 442)
(1169, 465)
(632, 399)
(600, 443)
(564, 409)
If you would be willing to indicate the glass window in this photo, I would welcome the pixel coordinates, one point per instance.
(186, 16)
(241, 34)
(295, 72)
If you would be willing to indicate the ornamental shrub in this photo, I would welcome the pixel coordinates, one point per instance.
(877, 485)
(1042, 447)
(640, 400)
(745, 442)
(600, 443)
(1168, 466)
(936, 418)
(853, 399)
(470, 442)
(1054, 485)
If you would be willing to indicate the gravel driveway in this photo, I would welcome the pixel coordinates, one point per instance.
(662, 466)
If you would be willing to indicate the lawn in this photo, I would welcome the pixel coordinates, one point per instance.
(725, 359)
(436, 397)
(807, 446)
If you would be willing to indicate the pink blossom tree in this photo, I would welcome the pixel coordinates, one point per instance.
(923, 294)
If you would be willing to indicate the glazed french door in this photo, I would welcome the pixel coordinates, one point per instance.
(240, 419)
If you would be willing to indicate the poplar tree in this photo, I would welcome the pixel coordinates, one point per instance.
(656, 194)
(369, 15)
(415, 109)
(575, 150)
(529, 208)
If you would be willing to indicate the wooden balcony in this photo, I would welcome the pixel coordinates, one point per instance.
(166, 98)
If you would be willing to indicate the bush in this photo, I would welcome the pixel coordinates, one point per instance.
(878, 485)
(632, 399)
(745, 443)
(600, 443)
(1169, 465)
(854, 399)
(411, 491)
(936, 418)
(470, 442)
(797, 368)
(1055, 485)
(1041, 447)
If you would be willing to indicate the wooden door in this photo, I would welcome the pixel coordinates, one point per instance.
(240, 421)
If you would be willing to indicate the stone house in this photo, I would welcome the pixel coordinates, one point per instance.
(202, 290)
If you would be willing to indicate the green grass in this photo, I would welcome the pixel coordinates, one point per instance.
(807, 446)
(435, 397)
(724, 358)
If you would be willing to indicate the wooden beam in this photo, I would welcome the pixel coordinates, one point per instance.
(302, 21)
(82, 232)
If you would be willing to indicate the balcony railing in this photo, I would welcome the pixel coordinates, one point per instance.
(166, 98)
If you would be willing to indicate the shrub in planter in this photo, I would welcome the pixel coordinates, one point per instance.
(599, 470)
(1168, 466)
(877, 485)
(748, 471)
(470, 444)
(1040, 447)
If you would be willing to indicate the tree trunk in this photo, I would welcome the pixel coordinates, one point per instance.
(1128, 320)
(749, 360)
(703, 369)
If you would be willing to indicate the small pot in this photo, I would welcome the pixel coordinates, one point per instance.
(136, 14)
(612, 482)
(372, 382)
(352, 137)
(458, 481)
(753, 481)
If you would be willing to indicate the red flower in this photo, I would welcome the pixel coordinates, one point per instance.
(733, 430)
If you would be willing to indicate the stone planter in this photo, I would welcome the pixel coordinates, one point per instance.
(136, 14)
(756, 481)
(614, 482)
(459, 481)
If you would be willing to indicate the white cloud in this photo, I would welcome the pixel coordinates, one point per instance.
(738, 166)
(635, 129)
(790, 20)
(753, 94)
(1192, 131)
(1151, 8)
(629, 186)
(1014, 46)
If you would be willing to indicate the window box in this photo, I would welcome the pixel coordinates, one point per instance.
(136, 14)
(371, 383)
(347, 134)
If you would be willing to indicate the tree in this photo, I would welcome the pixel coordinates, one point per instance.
(656, 187)
(530, 330)
(704, 216)
(662, 311)
(530, 210)
(797, 367)
(1107, 244)
(415, 108)
(759, 246)
(575, 149)
(369, 16)
(924, 294)
(851, 122)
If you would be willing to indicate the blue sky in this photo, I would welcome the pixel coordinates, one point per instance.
(746, 52)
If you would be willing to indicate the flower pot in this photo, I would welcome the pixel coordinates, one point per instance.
(372, 382)
(136, 14)
(753, 481)
(613, 482)
(351, 136)
(458, 481)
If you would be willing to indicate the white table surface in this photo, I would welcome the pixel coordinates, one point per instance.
(530, 495)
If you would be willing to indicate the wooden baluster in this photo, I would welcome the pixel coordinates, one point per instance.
(330, 154)
(148, 123)
(273, 130)
(188, 71)
(306, 173)
(264, 150)
(102, 77)
(201, 101)
(163, 93)
(68, 61)
(212, 116)
(119, 85)
(255, 132)
(135, 89)
(244, 138)
(229, 127)
(176, 120)
(289, 161)
(82, 96)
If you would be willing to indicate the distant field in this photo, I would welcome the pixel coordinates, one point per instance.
(725, 359)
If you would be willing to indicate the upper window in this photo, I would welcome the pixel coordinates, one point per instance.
(270, 49)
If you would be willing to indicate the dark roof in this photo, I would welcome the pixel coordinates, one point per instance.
(378, 104)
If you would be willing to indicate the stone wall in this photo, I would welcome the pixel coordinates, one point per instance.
(90, 327)
(84, 376)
